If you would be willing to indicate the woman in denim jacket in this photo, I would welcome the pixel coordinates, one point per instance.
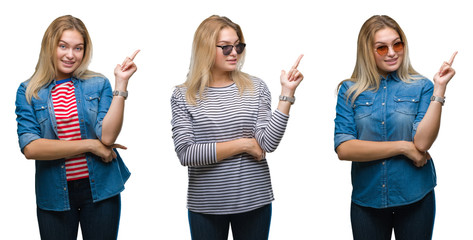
(388, 116)
(61, 97)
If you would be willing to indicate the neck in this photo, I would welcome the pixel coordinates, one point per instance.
(220, 79)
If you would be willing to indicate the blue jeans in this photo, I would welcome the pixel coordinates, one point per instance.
(414, 221)
(252, 225)
(98, 221)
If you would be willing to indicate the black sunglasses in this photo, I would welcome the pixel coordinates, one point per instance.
(227, 49)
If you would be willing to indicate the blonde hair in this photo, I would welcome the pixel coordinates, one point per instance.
(46, 69)
(366, 75)
(203, 58)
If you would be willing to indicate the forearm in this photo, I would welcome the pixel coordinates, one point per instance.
(50, 149)
(113, 120)
(365, 151)
(428, 128)
(231, 148)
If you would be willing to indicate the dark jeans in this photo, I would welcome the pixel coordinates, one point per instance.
(410, 222)
(98, 221)
(253, 225)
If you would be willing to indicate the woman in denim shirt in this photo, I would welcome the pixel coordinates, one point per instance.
(388, 116)
(64, 198)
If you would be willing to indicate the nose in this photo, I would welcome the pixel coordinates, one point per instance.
(233, 52)
(69, 53)
(391, 52)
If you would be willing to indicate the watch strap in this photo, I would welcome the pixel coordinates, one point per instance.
(287, 99)
(120, 93)
(441, 100)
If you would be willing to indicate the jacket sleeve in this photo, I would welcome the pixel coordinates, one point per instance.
(105, 100)
(345, 126)
(28, 128)
(188, 151)
(424, 103)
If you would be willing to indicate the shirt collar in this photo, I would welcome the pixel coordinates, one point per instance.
(391, 76)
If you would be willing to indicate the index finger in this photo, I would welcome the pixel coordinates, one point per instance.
(297, 61)
(450, 62)
(134, 54)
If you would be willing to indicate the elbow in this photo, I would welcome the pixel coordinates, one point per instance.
(422, 147)
(107, 141)
(341, 153)
(183, 162)
(29, 153)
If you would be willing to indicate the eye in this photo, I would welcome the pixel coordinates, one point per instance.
(398, 46)
(382, 50)
(79, 48)
(62, 46)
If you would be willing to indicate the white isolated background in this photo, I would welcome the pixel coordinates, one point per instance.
(312, 187)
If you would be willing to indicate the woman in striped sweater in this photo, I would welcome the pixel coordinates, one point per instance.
(222, 127)
(68, 121)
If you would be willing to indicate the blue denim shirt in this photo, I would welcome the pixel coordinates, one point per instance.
(392, 113)
(38, 120)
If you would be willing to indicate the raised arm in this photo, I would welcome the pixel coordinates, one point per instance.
(429, 126)
(113, 120)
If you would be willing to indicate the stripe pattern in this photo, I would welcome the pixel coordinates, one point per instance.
(67, 119)
(237, 184)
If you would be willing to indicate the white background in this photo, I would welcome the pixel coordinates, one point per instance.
(312, 187)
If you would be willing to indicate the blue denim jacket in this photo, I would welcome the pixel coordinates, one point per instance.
(390, 114)
(37, 120)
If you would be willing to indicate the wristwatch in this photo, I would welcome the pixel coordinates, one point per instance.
(441, 100)
(288, 99)
(119, 93)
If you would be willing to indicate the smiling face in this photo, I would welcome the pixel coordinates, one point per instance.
(69, 53)
(392, 60)
(228, 63)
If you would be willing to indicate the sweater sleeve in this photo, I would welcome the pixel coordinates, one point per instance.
(270, 128)
(188, 151)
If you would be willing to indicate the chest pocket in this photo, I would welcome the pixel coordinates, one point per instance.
(92, 101)
(41, 112)
(363, 108)
(407, 104)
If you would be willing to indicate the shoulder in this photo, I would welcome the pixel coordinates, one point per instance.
(420, 81)
(179, 94)
(258, 83)
(93, 80)
(345, 85)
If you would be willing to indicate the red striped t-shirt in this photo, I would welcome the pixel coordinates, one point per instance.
(67, 119)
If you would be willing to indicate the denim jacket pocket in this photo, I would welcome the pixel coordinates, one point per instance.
(41, 112)
(363, 108)
(92, 101)
(407, 104)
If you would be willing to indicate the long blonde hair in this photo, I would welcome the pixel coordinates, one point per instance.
(366, 75)
(203, 58)
(46, 69)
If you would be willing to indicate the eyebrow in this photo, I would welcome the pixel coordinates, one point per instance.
(60, 40)
(399, 38)
(225, 42)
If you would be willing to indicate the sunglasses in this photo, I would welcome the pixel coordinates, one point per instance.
(227, 49)
(383, 50)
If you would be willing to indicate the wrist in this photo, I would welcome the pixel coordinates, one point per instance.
(288, 92)
(439, 91)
